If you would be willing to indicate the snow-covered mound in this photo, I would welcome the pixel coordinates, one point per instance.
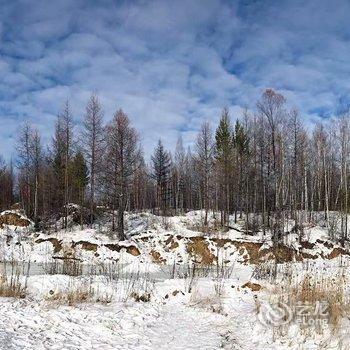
(176, 240)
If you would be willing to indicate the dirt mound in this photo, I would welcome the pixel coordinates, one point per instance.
(14, 219)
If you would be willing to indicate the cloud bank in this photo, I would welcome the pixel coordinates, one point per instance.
(169, 64)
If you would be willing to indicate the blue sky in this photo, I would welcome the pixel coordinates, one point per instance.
(169, 64)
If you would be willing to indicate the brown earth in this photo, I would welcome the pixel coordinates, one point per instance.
(13, 219)
(171, 242)
(255, 287)
(198, 248)
(57, 244)
(156, 257)
(131, 249)
(336, 252)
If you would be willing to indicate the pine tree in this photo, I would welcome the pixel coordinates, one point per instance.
(80, 179)
(241, 144)
(224, 145)
(161, 161)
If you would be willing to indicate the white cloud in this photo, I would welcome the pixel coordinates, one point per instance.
(169, 64)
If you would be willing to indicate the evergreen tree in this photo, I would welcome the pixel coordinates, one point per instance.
(224, 144)
(80, 179)
(161, 161)
(241, 144)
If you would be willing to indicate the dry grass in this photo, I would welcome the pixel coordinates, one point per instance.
(12, 287)
(213, 227)
(78, 293)
(207, 299)
(326, 300)
(330, 291)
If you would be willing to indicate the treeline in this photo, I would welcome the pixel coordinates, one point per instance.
(266, 167)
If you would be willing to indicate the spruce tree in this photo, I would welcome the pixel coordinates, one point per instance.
(224, 144)
(161, 172)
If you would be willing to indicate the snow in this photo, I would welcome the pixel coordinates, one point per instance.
(139, 326)
(188, 307)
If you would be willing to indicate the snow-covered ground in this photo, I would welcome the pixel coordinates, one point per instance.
(171, 286)
(30, 325)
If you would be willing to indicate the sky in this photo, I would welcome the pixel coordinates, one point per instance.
(169, 65)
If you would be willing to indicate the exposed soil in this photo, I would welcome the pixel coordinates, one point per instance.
(13, 219)
(198, 248)
(156, 257)
(131, 249)
(57, 244)
(255, 287)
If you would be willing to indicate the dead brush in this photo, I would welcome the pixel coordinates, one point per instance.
(318, 302)
(71, 297)
(137, 287)
(213, 227)
(78, 293)
(210, 300)
(12, 287)
(330, 291)
(11, 283)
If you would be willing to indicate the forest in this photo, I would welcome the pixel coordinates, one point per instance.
(265, 166)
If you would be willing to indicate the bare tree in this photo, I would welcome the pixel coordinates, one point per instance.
(205, 162)
(61, 155)
(93, 143)
(24, 163)
(36, 159)
(271, 108)
(124, 154)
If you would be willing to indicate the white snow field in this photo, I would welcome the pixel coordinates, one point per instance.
(171, 286)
